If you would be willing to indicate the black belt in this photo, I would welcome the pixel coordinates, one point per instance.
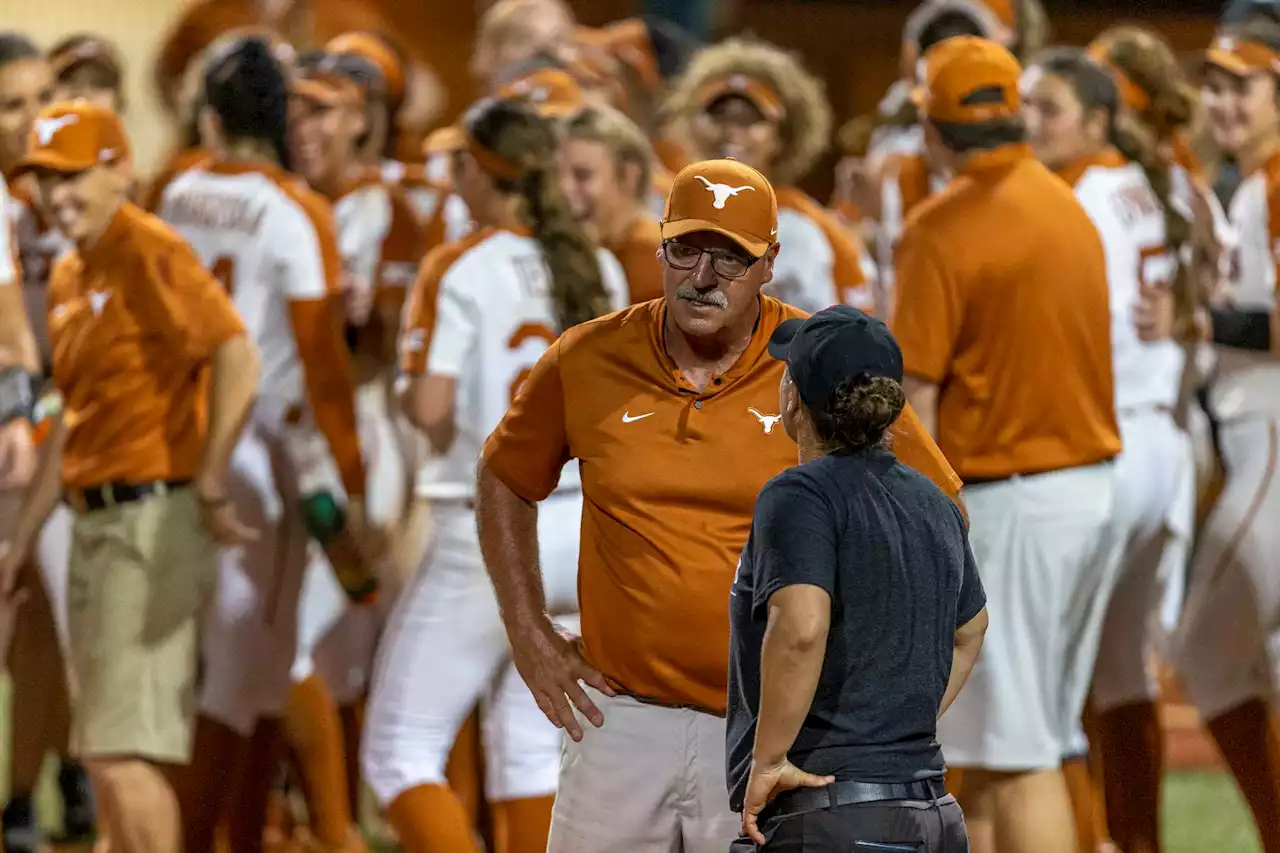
(114, 494)
(983, 481)
(853, 793)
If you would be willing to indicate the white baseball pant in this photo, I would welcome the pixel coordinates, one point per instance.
(1041, 544)
(1227, 650)
(250, 632)
(1154, 516)
(445, 649)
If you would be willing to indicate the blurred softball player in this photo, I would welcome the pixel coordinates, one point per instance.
(37, 659)
(1227, 655)
(482, 312)
(271, 242)
(1083, 126)
(754, 102)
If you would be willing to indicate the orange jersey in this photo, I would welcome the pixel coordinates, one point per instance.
(1003, 302)
(637, 251)
(133, 324)
(669, 480)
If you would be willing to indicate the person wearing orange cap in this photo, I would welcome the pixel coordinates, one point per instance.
(749, 100)
(40, 705)
(656, 403)
(89, 67)
(140, 334)
(1225, 653)
(384, 142)
(1003, 315)
(605, 163)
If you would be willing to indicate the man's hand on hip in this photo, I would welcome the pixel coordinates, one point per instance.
(552, 666)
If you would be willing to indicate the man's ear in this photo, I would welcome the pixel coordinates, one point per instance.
(769, 257)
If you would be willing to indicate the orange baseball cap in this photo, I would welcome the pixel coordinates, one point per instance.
(727, 197)
(553, 93)
(372, 49)
(968, 80)
(73, 136)
(1241, 57)
(759, 93)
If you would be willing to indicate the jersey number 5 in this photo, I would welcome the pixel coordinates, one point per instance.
(224, 270)
(527, 332)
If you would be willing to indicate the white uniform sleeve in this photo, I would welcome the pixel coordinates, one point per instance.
(457, 328)
(297, 261)
(804, 273)
(8, 270)
(615, 279)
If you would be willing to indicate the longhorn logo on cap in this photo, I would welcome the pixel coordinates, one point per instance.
(722, 192)
(47, 127)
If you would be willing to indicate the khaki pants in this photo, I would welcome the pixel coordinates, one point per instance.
(651, 780)
(140, 575)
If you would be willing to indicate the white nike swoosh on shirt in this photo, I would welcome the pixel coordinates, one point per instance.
(626, 417)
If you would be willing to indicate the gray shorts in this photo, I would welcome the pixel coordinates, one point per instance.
(895, 826)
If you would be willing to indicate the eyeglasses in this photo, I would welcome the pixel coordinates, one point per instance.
(724, 263)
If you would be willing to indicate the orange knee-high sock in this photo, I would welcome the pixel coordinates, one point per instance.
(464, 768)
(1129, 740)
(352, 717)
(522, 826)
(314, 730)
(1248, 742)
(246, 817)
(1086, 804)
(429, 819)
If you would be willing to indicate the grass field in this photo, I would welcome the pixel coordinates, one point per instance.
(1203, 811)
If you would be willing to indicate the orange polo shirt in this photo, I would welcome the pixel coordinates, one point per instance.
(133, 323)
(669, 481)
(1003, 302)
(637, 251)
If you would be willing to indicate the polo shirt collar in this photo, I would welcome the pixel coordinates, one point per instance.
(1001, 157)
(769, 317)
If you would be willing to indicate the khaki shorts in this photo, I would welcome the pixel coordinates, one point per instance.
(139, 578)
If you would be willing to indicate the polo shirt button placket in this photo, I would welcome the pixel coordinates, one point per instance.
(697, 404)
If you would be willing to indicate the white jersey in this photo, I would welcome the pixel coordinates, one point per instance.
(252, 230)
(804, 271)
(36, 246)
(1130, 219)
(482, 313)
(363, 218)
(1248, 383)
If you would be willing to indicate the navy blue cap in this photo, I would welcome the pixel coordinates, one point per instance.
(833, 345)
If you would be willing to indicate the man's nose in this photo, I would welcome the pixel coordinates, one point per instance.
(704, 277)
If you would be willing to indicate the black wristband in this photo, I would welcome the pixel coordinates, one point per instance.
(19, 390)
(1248, 330)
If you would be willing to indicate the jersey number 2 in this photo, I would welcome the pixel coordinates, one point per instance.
(224, 270)
(527, 332)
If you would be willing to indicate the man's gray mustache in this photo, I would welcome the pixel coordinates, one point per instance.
(713, 297)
